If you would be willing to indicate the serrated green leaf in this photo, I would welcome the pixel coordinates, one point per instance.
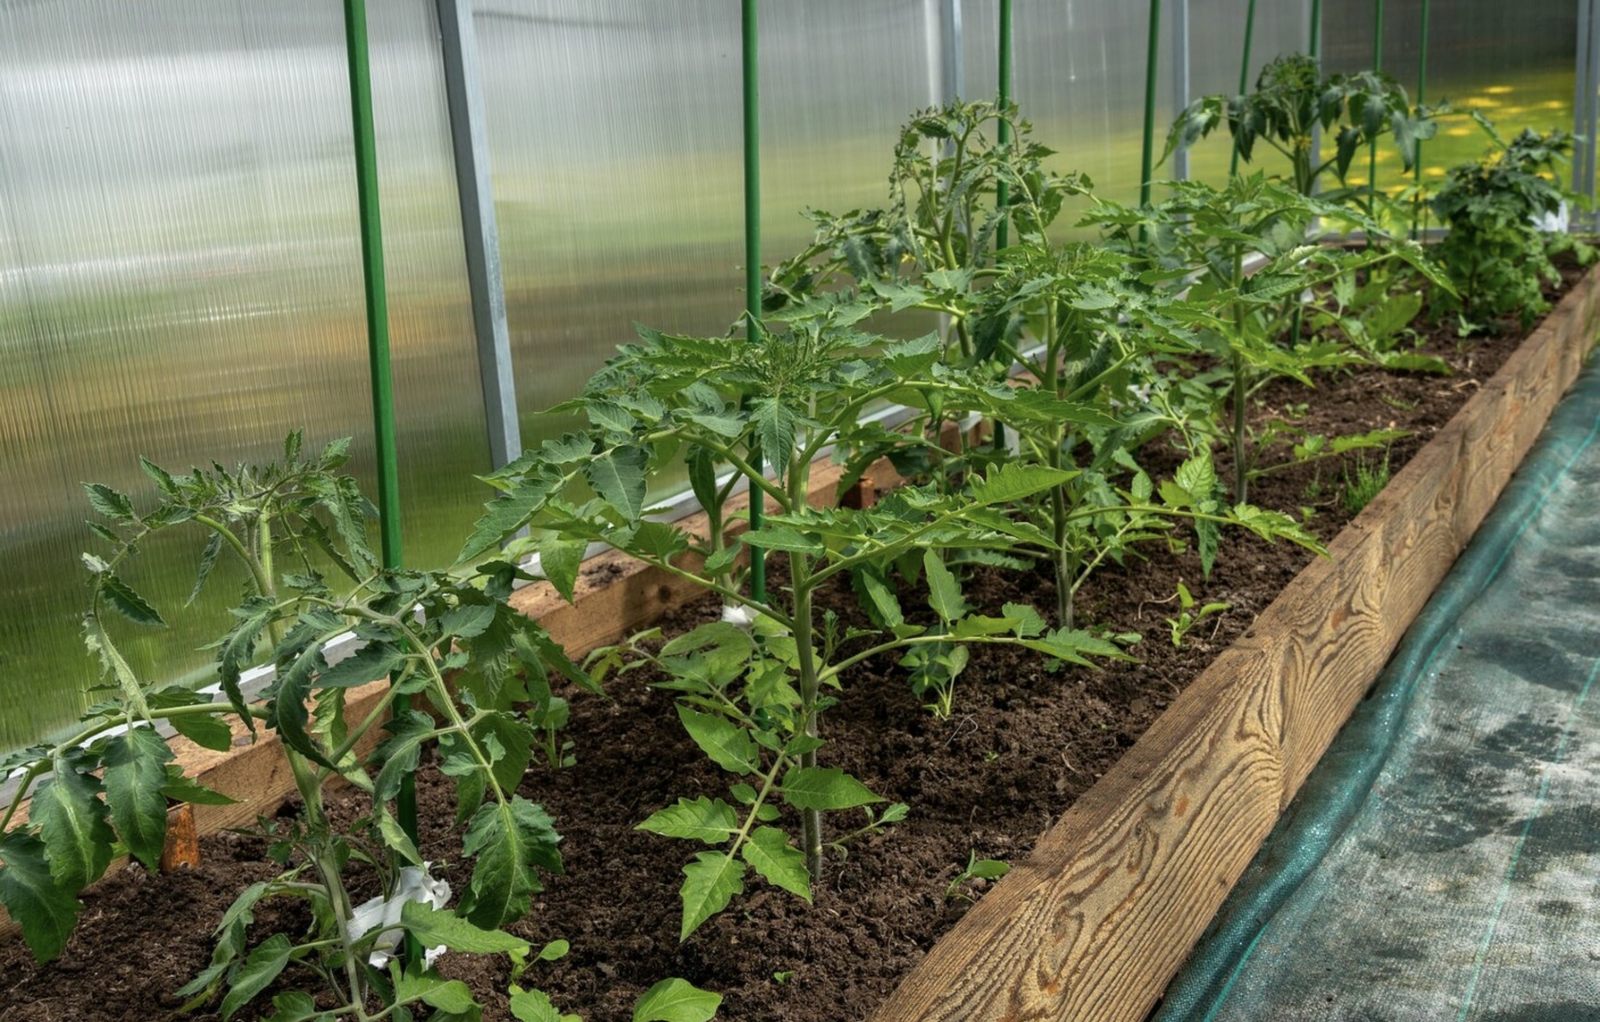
(441, 927)
(507, 841)
(676, 1000)
(1029, 621)
(452, 996)
(467, 621)
(110, 503)
(396, 838)
(162, 478)
(369, 663)
(779, 863)
(825, 788)
(710, 882)
(533, 1006)
(1013, 482)
(126, 602)
(181, 788)
(728, 745)
(399, 753)
(293, 1006)
(515, 739)
(779, 537)
(208, 560)
(72, 825)
(135, 774)
(775, 426)
(286, 711)
(256, 973)
(560, 560)
(1197, 476)
(618, 476)
(701, 820)
(44, 909)
(206, 730)
(881, 603)
(504, 515)
(944, 592)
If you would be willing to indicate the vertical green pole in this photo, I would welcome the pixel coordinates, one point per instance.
(372, 275)
(1244, 75)
(355, 27)
(1152, 55)
(1372, 159)
(1002, 193)
(1422, 97)
(1316, 30)
(752, 252)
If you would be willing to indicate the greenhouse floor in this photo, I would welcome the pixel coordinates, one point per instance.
(1443, 862)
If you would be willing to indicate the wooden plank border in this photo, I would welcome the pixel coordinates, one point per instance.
(1096, 921)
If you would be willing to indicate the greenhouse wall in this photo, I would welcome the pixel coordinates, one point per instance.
(180, 257)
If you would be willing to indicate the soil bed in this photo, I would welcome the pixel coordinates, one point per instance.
(1025, 741)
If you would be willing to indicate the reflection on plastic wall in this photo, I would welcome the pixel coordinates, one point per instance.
(1513, 62)
(180, 278)
(615, 145)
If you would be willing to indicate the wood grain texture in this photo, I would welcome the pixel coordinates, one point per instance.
(617, 596)
(1094, 924)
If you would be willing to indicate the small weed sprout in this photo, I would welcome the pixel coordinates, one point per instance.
(1369, 479)
(975, 869)
(1189, 616)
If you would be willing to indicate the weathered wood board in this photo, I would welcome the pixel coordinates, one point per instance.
(1093, 925)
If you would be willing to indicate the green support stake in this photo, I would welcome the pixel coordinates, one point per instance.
(1316, 30)
(355, 27)
(1152, 55)
(1002, 194)
(1422, 93)
(752, 251)
(1244, 74)
(1372, 158)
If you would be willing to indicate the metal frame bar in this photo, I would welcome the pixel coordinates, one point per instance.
(1585, 107)
(480, 233)
(947, 69)
(1180, 79)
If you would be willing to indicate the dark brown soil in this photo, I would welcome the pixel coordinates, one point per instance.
(1024, 742)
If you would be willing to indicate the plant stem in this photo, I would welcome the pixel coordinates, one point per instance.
(803, 585)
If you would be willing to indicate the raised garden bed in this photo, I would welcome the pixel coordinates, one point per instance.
(1098, 911)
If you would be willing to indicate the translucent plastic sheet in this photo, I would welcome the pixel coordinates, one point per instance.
(1442, 861)
(180, 278)
(1511, 61)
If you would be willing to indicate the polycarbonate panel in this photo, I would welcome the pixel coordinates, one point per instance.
(1216, 52)
(1514, 62)
(180, 278)
(614, 134)
(838, 80)
(1079, 77)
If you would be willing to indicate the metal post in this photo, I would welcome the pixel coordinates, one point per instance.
(463, 83)
(1422, 94)
(1244, 76)
(752, 251)
(952, 75)
(1003, 98)
(1372, 159)
(1314, 48)
(1584, 104)
(1152, 60)
(1180, 79)
(355, 27)
(1592, 127)
(355, 15)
